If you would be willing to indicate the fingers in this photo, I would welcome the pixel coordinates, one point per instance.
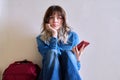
(76, 49)
(52, 30)
(76, 52)
(82, 48)
(48, 27)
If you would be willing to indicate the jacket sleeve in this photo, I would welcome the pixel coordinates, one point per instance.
(75, 39)
(75, 42)
(43, 48)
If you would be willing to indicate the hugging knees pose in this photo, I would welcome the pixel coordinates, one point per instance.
(57, 44)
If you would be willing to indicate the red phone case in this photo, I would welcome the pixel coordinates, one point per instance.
(81, 43)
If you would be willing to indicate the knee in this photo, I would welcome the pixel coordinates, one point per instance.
(65, 55)
(68, 54)
(51, 55)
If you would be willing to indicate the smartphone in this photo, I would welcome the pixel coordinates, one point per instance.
(86, 43)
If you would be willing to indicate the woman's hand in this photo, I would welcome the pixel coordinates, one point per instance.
(78, 52)
(52, 30)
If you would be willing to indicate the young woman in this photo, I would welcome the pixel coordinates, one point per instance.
(57, 45)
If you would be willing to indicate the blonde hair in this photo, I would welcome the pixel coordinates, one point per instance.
(62, 32)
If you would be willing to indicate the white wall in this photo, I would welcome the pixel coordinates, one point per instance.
(97, 21)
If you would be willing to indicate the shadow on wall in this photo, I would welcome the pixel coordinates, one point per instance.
(20, 44)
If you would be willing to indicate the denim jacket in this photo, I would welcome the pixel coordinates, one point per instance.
(59, 46)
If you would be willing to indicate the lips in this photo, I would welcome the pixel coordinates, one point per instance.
(55, 24)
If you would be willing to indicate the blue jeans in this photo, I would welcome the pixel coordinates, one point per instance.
(59, 66)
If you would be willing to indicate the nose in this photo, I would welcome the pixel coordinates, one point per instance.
(55, 19)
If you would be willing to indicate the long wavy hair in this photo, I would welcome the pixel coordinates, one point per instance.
(62, 32)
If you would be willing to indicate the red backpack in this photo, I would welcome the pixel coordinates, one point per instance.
(21, 70)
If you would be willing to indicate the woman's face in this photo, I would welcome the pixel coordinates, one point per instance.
(56, 21)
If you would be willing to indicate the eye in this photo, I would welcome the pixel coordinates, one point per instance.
(51, 17)
(59, 17)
